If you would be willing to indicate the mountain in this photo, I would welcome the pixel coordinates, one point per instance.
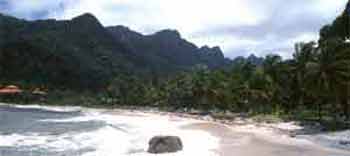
(82, 53)
(213, 57)
(168, 49)
(255, 60)
(252, 59)
(75, 53)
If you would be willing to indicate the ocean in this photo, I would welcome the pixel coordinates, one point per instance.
(72, 131)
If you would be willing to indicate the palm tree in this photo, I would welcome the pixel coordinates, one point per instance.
(304, 53)
(273, 76)
(271, 65)
(328, 72)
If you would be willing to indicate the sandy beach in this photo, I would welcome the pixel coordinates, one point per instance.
(251, 144)
(93, 132)
(248, 139)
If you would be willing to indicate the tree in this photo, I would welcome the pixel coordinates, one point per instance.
(328, 72)
(298, 67)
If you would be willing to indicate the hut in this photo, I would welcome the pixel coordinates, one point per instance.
(10, 93)
(10, 90)
(38, 91)
(39, 95)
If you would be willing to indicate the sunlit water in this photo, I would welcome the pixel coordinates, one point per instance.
(31, 131)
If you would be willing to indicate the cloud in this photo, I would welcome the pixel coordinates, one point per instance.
(186, 15)
(285, 23)
(31, 9)
(239, 26)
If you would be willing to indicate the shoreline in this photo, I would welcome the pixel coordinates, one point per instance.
(252, 144)
(299, 127)
(266, 139)
(240, 135)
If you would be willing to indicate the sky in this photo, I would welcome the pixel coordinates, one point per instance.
(239, 27)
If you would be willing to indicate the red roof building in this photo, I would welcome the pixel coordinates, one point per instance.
(10, 90)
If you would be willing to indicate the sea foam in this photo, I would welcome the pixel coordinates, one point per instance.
(121, 135)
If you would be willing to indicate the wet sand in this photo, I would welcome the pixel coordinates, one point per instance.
(249, 144)
(236, 140)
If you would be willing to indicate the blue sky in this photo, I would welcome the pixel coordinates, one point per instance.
(240, 27)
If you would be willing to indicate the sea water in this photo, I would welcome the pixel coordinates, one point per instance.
(72, 131)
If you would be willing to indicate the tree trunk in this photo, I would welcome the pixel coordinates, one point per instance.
(346, 110)
(319, 112)
(345, 104)
(344, 101)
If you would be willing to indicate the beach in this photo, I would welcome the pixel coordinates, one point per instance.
(38, 130)
(233, 142)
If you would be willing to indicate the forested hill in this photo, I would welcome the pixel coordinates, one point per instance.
(166, 49)
(82, 53)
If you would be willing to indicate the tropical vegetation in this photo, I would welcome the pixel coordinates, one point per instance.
(314, 83)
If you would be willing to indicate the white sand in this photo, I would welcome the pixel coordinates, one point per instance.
(252, 141)
(128, 133)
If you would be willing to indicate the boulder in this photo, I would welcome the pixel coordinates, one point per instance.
(344, 142)
(165, 144)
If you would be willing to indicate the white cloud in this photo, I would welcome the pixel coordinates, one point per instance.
(275, 23)
(30, 8)
(185, 15)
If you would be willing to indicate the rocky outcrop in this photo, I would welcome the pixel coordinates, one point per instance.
(213, 57)
(165, 144)
(167, 48)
